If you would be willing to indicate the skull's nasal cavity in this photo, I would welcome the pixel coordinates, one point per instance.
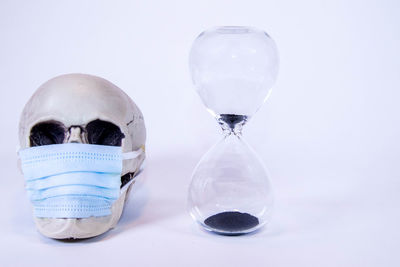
(74, 135)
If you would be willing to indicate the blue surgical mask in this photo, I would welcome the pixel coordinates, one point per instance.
(73, 180)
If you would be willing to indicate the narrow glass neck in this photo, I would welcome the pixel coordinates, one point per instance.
(232, 123)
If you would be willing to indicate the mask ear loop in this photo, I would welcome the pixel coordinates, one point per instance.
(127, 156)
(132, 154)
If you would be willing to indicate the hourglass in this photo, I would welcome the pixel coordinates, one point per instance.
(233, 70)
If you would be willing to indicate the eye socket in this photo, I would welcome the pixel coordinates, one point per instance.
(47, 133)
(104, 133)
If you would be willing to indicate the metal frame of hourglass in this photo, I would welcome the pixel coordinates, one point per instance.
(233, 69)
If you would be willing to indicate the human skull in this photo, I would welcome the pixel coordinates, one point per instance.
(80, 108)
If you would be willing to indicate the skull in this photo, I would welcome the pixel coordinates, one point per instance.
(83, 108)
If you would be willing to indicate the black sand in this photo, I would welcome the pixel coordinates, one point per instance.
(231, 221)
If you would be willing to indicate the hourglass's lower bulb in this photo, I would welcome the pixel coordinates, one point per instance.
(230, 192)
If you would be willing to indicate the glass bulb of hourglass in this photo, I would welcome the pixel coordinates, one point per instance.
(233, 69)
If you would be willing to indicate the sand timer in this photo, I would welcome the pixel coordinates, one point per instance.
(233, 69)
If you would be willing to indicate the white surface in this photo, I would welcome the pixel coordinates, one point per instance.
(329, 132)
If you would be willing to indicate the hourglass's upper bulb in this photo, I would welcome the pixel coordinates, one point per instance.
(233, 69)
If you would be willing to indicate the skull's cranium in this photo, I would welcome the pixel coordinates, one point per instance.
(85, 109)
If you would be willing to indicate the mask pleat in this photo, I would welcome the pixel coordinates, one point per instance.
(105, 180)
(42, 161)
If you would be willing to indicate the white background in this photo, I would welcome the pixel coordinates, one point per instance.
(329, 133)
